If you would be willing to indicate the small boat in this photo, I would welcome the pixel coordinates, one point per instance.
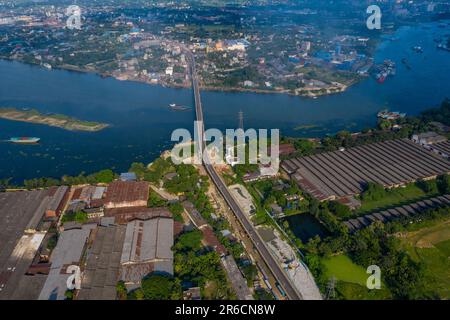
(390, 115)
(443, 46)
(176, 107)
(24, 140)
(417, 49)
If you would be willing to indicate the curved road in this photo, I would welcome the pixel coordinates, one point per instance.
(271, 262)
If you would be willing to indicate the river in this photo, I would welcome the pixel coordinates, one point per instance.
(141, 123)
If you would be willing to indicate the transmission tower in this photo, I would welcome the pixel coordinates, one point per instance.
(241, 120)
(331, 294)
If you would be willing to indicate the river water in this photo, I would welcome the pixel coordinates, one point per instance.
(141, 123)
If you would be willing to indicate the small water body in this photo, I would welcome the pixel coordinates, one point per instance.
(305, 226)
(142, 123)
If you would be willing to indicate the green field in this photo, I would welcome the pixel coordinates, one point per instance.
(444, 248)
(351, 280)
(342, 268)
(394, 197)
(431, 247)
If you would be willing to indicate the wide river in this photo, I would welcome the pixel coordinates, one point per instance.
(141, 123)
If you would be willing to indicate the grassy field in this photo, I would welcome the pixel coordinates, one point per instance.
(342, 268)
(351, 280)
(394, 197)
(431, 247)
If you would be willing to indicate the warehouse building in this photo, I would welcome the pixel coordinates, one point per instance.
(146, 249)
(406, 211)
(68, 252)
(102, 269)
(441, 148)
(333, 175)
(23, 230)
(122, 194)
(126, 252)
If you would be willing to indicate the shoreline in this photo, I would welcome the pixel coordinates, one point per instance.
(311, 93)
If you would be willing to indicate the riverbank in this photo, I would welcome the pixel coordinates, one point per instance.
(53, 120)
(313, 92)
(142, 124)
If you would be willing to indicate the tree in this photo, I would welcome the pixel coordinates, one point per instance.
(189, 241)
(68, 294)
(340, 210)
(304, 147)
(104, 176)
(52, 241)
(160, 287)
(81, 217)
(384, 124)
(139, 169)
(374, 192)
(443, 183)
(4, 184)
(177, 210)
(154, 200)
(428, 186)
(250, 273)
(263, 294)
(121, 290)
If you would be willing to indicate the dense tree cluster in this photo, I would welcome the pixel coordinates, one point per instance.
(443, 184)
(157, 287)
(373, 192)
(441, 114)
(103, 176)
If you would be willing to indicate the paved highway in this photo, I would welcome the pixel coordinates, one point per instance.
(258, 243)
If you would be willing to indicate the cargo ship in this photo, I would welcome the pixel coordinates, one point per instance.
(24, 140)
(385, 70)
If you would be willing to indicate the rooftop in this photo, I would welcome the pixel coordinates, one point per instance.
(19, 212)
(405, 211)
(124, 215)
(147, 247)
(338, 174)
(103, 264)
(128, 176)
(68, 251)
(126, 193)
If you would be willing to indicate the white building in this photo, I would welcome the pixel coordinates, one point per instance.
(169, 71)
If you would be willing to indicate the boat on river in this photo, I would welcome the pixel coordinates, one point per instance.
(24, 140)
(175, 107)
